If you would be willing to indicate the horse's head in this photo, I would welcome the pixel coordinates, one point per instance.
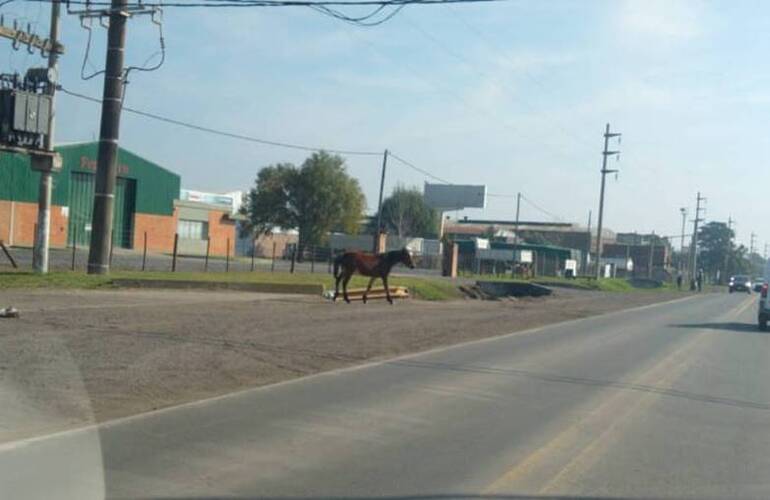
(406, 258)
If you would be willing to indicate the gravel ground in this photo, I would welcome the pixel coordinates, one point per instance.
(77, 357)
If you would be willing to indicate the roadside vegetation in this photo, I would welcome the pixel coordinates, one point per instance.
(424, 288)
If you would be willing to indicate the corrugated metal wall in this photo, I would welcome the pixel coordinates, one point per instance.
(154, 188)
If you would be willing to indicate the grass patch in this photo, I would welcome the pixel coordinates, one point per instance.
(618, 285)
(421, 288)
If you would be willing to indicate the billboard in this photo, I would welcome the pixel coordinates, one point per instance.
(445, 197)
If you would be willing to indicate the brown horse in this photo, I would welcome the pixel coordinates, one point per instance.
(373, 266)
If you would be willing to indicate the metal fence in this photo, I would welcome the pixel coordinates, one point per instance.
(314, 259)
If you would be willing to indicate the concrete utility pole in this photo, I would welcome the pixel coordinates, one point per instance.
(604, 171)
(379, 203)
(694, 249)
(751, 243)
(683, 211)
(587, 256)
(42, 238)
(729, 246)
(652, 253)
(516, 225)
(107, 159)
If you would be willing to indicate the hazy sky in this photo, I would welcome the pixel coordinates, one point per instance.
(514, 95)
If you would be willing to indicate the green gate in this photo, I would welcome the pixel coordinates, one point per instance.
(81, 201)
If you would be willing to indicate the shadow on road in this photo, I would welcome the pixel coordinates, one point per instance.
(730, 326)
(552, 377)
(437, 496)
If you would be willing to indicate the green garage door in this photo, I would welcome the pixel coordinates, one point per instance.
(81, 210)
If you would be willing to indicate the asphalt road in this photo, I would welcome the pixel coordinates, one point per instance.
(665, 401)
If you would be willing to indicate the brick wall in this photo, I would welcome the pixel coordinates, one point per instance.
(25, 219)
(220, 229)
(264, 244)
(160, 232)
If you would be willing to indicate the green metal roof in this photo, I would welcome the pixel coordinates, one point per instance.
(156, 187)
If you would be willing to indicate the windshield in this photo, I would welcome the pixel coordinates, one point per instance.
(384, 249)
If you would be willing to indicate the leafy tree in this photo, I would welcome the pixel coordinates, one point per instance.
(716, 246)
(405, 213)
(314, 198)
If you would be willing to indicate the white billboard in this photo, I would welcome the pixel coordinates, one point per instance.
(454, 197)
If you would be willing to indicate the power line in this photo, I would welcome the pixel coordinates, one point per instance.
(418, 169)
(541, 209)
(510, 92)
(223, 133)
(273, 3)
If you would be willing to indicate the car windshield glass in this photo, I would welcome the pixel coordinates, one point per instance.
(384, 249)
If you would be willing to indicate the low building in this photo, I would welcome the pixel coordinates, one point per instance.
(144, 200)
(147, 211)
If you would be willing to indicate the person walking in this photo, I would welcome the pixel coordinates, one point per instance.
(699, 280)
(679, 279)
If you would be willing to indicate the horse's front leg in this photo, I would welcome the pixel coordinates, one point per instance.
(387, 288)
(369, 287)
(337, 286)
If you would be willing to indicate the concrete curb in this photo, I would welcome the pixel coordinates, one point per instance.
(296, 288)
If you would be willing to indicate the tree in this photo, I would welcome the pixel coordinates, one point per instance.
(715, 241)
(405, 213)
(314, 198)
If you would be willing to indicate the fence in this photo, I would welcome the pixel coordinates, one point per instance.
(277, 258)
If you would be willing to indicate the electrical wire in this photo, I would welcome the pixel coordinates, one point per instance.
(223, 133)
(265, 3)
(541, 209)
(418, 169)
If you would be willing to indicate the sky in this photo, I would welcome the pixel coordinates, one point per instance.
(514, 95)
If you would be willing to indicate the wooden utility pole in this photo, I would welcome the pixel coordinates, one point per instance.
(109, 133)
(604, 171)
(376, 241)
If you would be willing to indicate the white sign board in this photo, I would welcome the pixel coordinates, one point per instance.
(482, 243)
(524, 256)
(445, 197)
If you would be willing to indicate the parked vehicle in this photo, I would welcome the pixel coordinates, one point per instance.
(758, 282)
(740, 284)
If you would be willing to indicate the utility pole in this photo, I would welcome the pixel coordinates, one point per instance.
(694, 246)
(106, 163)
(652, 252)
(604, 171)
(588, 246)
(751, 243)
(516, 226)
(683, 211)
(729, 247)
(42, 238)
(379, 204)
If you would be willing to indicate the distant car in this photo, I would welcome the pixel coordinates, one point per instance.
(758, 283)
(740, 284)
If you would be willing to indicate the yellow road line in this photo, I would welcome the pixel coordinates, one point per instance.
(573, 451)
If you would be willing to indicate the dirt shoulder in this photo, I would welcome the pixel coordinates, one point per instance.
(78, 357)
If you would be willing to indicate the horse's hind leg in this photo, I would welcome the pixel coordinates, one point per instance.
(345, 281)
(369, 287)
(337, 286)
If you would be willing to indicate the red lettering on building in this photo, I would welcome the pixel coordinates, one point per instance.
(89, 164)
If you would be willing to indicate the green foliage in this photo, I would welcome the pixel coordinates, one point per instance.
(716, 245)
(404, 213)
(315, 198)
(419, 287)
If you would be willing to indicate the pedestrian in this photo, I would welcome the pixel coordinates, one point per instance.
(699, 280)
(679, 280)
